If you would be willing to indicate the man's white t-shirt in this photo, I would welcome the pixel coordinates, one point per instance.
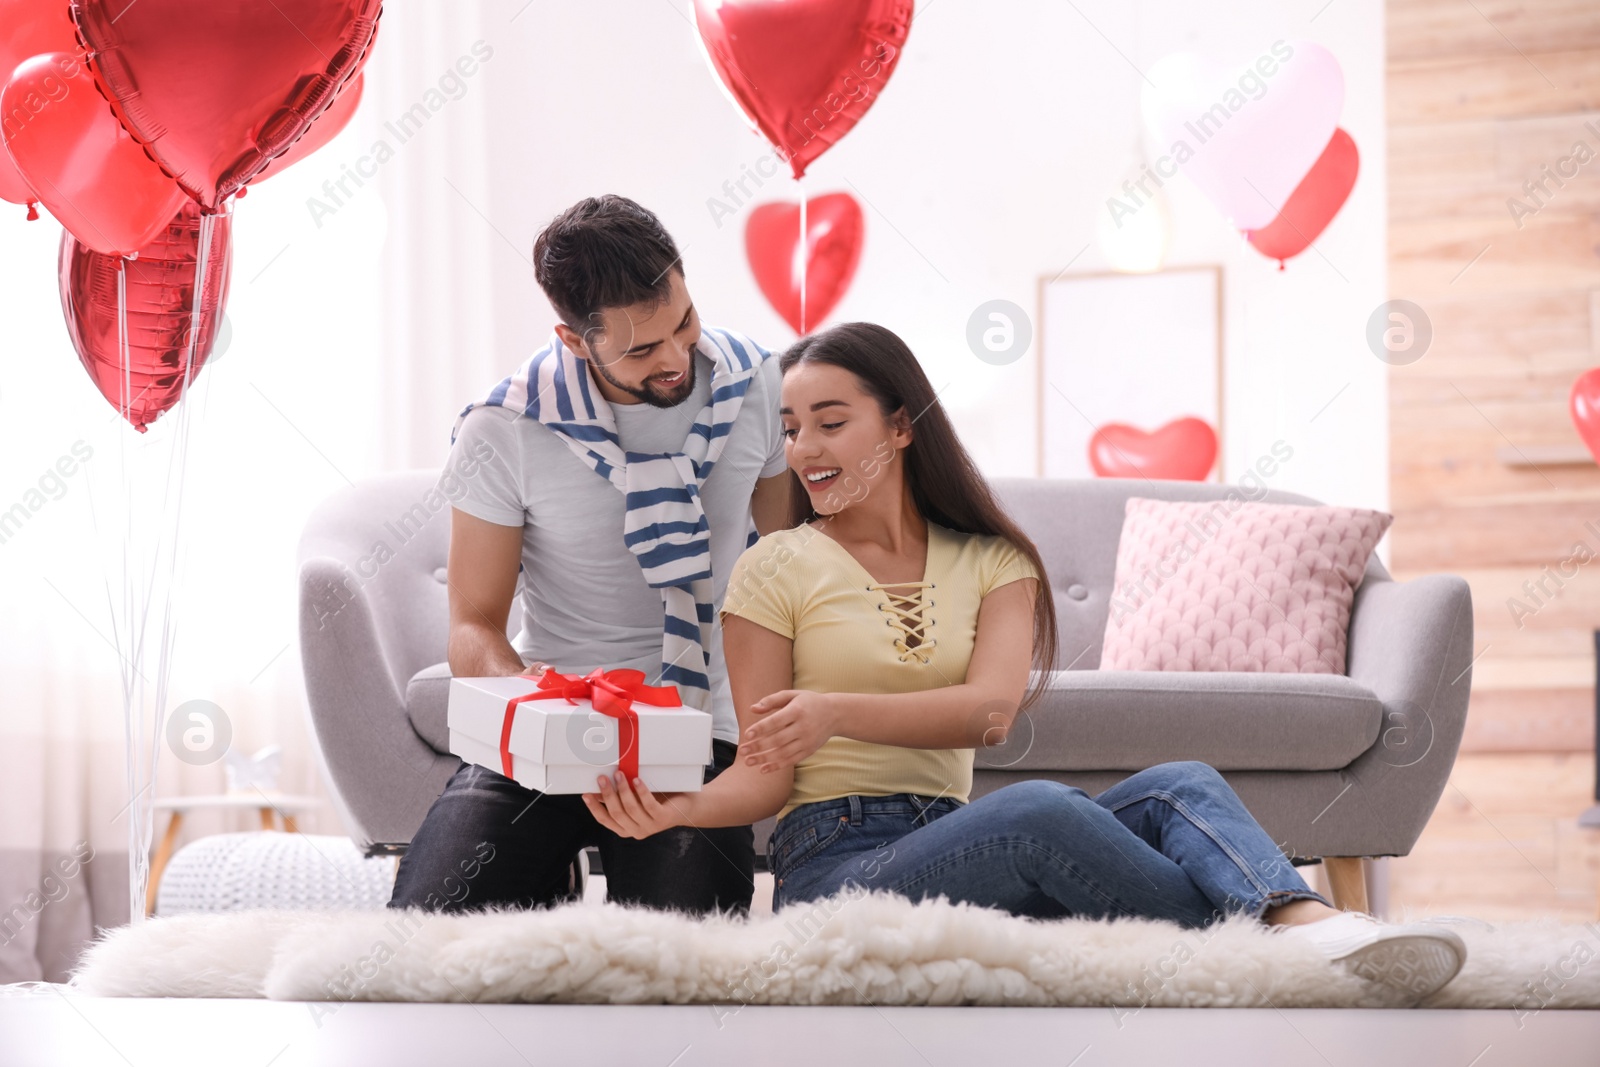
(583, 599)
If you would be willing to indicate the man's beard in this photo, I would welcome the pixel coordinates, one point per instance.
(649, 395)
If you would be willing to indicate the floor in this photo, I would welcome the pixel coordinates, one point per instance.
(1503, 845)
(56, 1030)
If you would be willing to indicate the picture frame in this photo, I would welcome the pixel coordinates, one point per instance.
(1166, 365)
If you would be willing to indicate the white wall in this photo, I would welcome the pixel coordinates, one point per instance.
(983, 165)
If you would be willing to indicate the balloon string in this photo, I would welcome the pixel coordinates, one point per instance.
(178, 463)
(805, 253)
(171, 526)
(138, 597)
(125, 399)
(124, 408)
(130, 668)
(144, 732)
(202, 260)
(133, 727)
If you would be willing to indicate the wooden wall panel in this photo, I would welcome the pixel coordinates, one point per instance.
(1475, 168)
(1487, 476)
(1425, 29)
(1513, 83)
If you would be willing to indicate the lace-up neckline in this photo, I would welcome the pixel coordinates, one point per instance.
(908, 608)
(908, 613)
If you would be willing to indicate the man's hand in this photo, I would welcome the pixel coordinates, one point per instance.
(794, 723)
(632, 810)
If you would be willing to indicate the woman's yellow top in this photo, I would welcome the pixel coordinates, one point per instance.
(854, 635)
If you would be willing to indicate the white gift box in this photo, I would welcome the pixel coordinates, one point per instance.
(557, 747)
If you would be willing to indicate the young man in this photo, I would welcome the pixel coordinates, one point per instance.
(627, 459)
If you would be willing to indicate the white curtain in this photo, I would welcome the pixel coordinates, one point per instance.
(348, 318)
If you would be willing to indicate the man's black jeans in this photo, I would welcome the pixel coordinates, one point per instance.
(489, 841)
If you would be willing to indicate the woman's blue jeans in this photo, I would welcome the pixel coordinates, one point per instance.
(1170, 842)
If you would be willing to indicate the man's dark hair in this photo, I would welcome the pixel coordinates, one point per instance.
(603, 252)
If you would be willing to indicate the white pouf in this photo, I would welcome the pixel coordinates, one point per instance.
(267, 869)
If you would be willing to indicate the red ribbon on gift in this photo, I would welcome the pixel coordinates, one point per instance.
(611, 693)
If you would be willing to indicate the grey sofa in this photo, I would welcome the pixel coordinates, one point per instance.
(1334, 767)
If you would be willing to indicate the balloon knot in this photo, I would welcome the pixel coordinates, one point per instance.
(1280, 264)
(33, 211)
(243, 189)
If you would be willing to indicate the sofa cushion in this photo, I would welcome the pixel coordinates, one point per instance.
(427, 695)
(1130, 720)
(1235, 721)
(1213, 586)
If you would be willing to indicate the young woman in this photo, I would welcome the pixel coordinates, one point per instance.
(874, 647)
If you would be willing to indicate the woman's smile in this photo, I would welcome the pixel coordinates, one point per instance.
(819, 477)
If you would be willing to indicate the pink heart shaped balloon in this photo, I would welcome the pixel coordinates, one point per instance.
(1245, 133)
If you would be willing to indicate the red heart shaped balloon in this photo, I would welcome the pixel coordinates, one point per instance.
(804, 72)
(217, 88)
(160, 293)
(835, 231)
(1584, 405)
(80, 162)
(1313, 204)
(27, 28)
(331, 123)
(1183, 450)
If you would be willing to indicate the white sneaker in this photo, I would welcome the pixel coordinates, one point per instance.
(1413, 960)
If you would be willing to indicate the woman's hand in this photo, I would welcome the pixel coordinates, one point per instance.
(794, 723)
(632, 810)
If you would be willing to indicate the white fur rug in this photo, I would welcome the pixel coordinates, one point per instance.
(855, 948)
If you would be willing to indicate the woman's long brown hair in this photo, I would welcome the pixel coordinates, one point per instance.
(945, 483)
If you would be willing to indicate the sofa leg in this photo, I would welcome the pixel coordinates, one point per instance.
(1347, 881)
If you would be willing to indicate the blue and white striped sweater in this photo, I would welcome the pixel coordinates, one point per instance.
(665, 526)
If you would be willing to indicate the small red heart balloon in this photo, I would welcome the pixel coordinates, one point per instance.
(80, 163)
(160, 293)
(804, 72)
(835, 232)
(1183, 450)
(1584, 404)
(217, 88)
(1313, 204)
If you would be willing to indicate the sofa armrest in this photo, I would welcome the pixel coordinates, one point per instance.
(1411, 644)
(383, 775)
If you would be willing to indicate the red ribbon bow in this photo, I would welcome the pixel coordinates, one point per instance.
(611, 693)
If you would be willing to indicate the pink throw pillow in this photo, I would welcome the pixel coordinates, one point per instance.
(1220, 585)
